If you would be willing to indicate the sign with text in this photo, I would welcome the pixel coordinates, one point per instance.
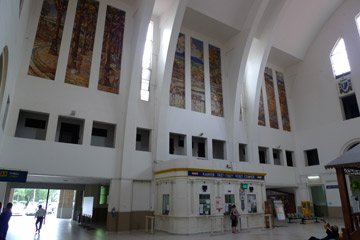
(226, 175)
(12, 176)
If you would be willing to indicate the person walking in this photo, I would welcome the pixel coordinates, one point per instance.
(39, 215)
(4, 220)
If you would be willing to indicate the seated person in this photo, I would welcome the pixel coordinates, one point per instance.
(332, 233)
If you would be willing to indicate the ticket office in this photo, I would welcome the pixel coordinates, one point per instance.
(191, 202)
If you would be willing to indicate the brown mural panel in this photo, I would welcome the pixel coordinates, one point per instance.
(217, 108)
(283, 102)
(82, 43)
(45, 52)
(110, 65)
(269, 83)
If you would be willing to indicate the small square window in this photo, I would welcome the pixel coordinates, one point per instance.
(142, 139)
(199, 147)
(177, 144)
(312, 157)
(263, 155)
(103, 134)
(242, 152)
(289, 158)
(350, 107)
(277, 157)
(70, 130)
(218, 149)
(32, 125)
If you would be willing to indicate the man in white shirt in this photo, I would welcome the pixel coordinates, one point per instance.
(39, 215)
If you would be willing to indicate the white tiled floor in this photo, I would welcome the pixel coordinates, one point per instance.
(22, 228)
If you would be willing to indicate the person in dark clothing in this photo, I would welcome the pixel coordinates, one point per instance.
(234, 214)
(332, 233)
(4, 220)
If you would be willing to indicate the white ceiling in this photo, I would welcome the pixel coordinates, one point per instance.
(299, 24)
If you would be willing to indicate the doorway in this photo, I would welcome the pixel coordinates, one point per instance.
(319, 201)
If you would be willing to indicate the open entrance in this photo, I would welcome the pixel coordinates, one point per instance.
(57, 203)
(319, 201)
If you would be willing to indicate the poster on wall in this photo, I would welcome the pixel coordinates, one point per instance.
(279, 209)
(45, 52)
(110, 65)
(87, 206)
(177, 86)
(251, 203)
(82, 43)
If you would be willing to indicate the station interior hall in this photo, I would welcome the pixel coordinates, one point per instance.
(159, 116)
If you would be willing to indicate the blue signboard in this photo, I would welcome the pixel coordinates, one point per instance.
(226, 175)
(332, 186)
(12, 176)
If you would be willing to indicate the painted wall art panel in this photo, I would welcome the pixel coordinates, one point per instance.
(110, 65)
(261, 116)
(82, 43)
(197, 76)
(283, 102)
(177, 86)
(45, 52)
(270, 92)
(217, 108)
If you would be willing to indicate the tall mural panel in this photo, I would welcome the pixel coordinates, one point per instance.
(177, 86)
(261, 116)
(217, 108)
(45, 53)
(283, 102)
(110, 65)
(270, 92)
(197, 76)
(82, 42)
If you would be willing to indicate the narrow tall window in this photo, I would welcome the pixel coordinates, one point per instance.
(147, 63)
(342, 73)
(339, 59)
(357, 20)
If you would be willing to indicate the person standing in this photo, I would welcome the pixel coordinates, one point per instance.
(39, 215)
(4, 220)
(234, 214)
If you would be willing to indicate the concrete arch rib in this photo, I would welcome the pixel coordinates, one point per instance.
(260, 45)
(170, 24)
(240, 47)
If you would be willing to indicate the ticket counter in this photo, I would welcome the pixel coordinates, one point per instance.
(192, 201)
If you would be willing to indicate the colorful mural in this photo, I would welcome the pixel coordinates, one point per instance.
(197, 76)
(217, 108)
(48, 37)
(177, 86)
(110, 65)
(283, 102)
(82, 42)
(261, 116)
(269, 83)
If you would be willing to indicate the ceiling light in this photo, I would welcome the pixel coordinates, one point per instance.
(313, 177)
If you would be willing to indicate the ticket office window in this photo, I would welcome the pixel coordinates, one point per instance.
(229, 201)
(204, 204)
(251, 203)
(166, 204)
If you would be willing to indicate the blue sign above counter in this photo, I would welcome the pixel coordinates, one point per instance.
(12, 176)
(251, 176)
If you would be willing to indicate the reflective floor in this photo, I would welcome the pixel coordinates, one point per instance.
(23, 227)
